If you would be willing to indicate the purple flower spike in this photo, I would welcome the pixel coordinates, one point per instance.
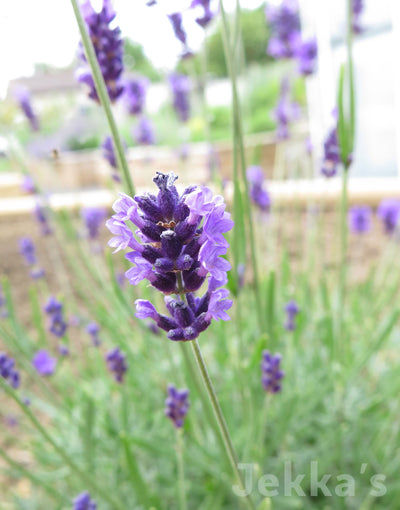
(360, 219)
(3, 305)
(207, 14)
(285, 28)
(41, 217)
(116, 364)
(272, 374)
(84, 502)
(331, 159)
(28, 184)
(8, 371)
(389, 212)
(358, 7)
(135, 95)
(306, 55)
(177, 405)
(291, 310)
(180, 87)
(57, 324)
(24, 99)
(179, 244)
(43, 363)
(109, 155)
(285, 112)
(144, 132)
(93, 329)
(258, 194)
(108, 46)
(93, 218)
(27, 250)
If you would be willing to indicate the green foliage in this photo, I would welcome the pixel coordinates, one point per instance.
(135, 60)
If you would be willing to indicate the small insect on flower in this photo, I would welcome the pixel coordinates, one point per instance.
(177, 405)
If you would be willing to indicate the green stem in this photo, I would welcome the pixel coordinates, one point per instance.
(181, 472)
(64, 456)
(343, 250)
(222, 426)
(101, 90)
(230, 58)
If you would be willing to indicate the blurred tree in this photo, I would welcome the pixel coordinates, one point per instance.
(135, 60)
(255, 35)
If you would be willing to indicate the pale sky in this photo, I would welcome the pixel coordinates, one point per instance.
(46, 31)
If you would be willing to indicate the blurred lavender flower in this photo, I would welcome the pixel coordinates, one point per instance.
(150, 3)
(109, 154)
(180, 87)
(24, 100)
(285, 29)
(389, 212)
(176, 22)
(358, 7)
(3, 305)
(41, 217)
(93, 218)
(360, 219)
(54, 310)
(286, 111)
(28, 184)
(291, 310)
(108, 46)
(8, 370)
(272, 374)
(116, 363)
(144, 132)
(207, 14)
(257, 192)
(27, 250)
(93, 329)
(306, 54)
(63, 350)
(84, 502)
(331, 158)
(177, 405)
(181, 243)
(135, 94)
(43, 363)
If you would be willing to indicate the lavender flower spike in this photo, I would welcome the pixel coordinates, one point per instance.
(306, 55)
(44, 363)
(331, 158)
(358, 7)
(57, 324)
(93, 329)
(177, 405)
(285, 27)
(93, 218)
(8, 371)
(27, 250)
(271, 372)
(389, 212)
(135, 95)
(24, 99)
(84, 502)
(179, 245)
(291, 310)
(258, 194)
(108, 46)
(180, 86)
(144, 132)
(116, 364)
(359, 219)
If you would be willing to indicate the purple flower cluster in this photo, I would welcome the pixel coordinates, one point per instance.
(144, 132)
(180, 244)
(28, 251)
(286, 111)
(257, 192)
(54, 310)
(43, 363)
(207, 14)
(84, 502)
(291, 310)
(109, 155)
(180, 87)
(360, 219)
(177, 26)
(272, 374)
(358, 7)
(331, 158)
(389, 212)
(93, 219)
(28, 184)
(306, 54)
(108, 46)
(24, 100)
(116, 363)
(135, 94)
(8, 371)
(3, 307)
(93, 329)
(285, 27)
(177, 405)
(42, 219)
